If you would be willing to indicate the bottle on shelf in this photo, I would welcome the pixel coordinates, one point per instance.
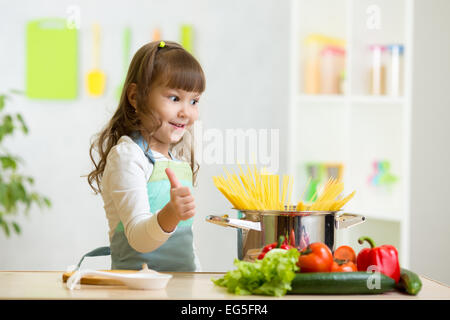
(394, 70)
(377, 71)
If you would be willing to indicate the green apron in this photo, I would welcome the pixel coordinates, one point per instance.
(177, 253)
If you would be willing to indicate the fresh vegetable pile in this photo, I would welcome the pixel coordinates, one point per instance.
(269, 276)
(281, 269)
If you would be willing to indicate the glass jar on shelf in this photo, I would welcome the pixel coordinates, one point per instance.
(332, 64)
(313, 46)
(343, 83)
(394, 70)
(377, 72)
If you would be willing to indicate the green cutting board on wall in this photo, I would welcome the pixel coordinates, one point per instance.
(51, 59)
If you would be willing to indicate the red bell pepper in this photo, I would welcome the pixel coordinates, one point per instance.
(292, 238)
(282, 244)
(288, 242)
(384, 258)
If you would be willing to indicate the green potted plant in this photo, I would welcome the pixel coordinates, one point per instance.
(16, 194)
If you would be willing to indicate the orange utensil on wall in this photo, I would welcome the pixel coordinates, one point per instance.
(96, 78)
(156, 35)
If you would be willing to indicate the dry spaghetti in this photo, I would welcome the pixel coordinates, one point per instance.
(253, 190)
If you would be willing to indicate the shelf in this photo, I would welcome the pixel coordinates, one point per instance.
(317, 98)
(339, 99)
(355, 128)
(377, 99)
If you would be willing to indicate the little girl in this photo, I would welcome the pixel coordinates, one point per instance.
(146, 164)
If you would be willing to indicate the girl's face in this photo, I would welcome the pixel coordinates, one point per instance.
(177, 109)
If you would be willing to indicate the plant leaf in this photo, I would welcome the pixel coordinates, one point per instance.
(14, 187)
(47, 202)
(22, 122)
(8, 162)
(5, 227)
(16, 227)
(3, 191)
(17, 91)
(2, 101)
(8, 125)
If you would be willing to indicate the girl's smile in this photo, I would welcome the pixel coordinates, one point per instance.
(178, 125)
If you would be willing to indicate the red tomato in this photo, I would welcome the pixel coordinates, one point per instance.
(316, 257)
(345, 253)
(343, 266)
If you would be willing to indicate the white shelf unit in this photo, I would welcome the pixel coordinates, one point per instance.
(355, 128)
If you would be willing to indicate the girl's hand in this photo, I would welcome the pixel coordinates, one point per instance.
(181, 200)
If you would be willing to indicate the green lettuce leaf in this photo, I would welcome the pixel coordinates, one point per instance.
(270, 276)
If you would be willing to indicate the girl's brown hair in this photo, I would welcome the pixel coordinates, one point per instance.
(169, 65)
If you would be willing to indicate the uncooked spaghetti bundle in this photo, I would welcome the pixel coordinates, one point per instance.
(254, 190)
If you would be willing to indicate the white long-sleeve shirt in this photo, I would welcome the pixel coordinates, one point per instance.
(124, 193)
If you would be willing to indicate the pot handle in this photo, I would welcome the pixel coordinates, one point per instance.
(347, 220)
(234, 223)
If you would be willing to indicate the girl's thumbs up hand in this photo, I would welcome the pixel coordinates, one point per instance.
(182, 205)
(174, 183)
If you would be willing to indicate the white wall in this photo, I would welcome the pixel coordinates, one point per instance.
(430, 148)
(242, 46)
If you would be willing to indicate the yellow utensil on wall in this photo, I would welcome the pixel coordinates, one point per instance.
(96, 78)
(186, 37)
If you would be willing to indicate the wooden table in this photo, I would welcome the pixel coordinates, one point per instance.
(48, 285)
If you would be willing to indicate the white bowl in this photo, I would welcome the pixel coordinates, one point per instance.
(146, 281)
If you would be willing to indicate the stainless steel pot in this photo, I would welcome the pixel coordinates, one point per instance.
(255, 229)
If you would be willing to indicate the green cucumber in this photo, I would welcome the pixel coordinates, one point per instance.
(409, 282)
(341, 283)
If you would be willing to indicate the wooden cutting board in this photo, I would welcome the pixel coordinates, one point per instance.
(99, 280)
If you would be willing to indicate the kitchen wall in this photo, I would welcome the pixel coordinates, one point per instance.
(430, 152)
(242, 46)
